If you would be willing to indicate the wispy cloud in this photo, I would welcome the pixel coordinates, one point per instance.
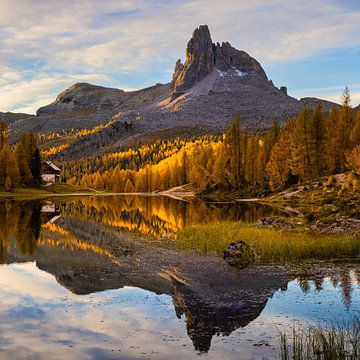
(28, 95)
(331, 93)
(355, 97)
(136, 42)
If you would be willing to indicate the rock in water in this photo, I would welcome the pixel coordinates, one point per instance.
(240, 254)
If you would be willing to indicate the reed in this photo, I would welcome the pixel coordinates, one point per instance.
(340, 342)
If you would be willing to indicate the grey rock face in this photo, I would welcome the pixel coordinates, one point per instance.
(179, 67)
(202, 56)
(216, 83)
(312, 102)
(227, 58)
(82, 96)
(283, 89)
(10, 118)
(199, 60)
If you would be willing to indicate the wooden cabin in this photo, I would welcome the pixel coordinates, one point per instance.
(50, 172)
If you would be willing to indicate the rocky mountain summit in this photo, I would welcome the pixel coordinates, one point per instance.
(214, 84)
(82, 96)
(203, 56)
(10, 117)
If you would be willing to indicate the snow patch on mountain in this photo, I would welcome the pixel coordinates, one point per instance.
(232, 72)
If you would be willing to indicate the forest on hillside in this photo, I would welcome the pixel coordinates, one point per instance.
(310, 146)
(20, 165)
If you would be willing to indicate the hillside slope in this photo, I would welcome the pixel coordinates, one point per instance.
(215, 83)
(10, 117)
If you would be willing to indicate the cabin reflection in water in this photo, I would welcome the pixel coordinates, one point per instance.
(50, 212)
(81, 246)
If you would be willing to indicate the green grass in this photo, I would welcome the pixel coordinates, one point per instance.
(64, 188)
(271, 244)
(30, 193)
(24, 193)
(316, 343)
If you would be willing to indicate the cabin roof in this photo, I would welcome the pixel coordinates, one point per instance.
(52, 165)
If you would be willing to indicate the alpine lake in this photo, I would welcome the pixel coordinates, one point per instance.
(103, 277)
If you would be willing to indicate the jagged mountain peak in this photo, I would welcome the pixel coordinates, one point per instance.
(215, 83)
(203, 56)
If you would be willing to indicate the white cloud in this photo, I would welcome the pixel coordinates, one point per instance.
(140, 39)
(280, 31)
(28, 96)
(331, 93)
(355, 98)
(8, 74)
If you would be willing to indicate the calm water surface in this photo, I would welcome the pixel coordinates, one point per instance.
(95, 278)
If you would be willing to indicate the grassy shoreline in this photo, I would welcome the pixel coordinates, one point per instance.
(29, 193)
(271, 244)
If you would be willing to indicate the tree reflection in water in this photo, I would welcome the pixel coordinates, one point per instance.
(21, 221)
(161, 215)
(82, 242)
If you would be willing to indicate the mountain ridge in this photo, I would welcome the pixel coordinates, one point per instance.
(11, 117)
(203, 56)
(215, 83)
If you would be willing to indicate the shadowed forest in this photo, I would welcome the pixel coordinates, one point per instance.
(20, 165)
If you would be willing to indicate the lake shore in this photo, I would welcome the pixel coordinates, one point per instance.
(29, 193)
(313, 206)
(104, 246)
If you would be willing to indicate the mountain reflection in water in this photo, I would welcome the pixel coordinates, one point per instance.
(82, 243)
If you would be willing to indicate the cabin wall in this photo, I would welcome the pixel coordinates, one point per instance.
(50, 178)
(50, 170)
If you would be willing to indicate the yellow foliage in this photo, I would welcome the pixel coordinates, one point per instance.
(54, 150)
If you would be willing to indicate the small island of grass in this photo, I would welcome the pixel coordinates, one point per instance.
(272, 245)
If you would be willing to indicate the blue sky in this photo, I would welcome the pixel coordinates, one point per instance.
(45, 45)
